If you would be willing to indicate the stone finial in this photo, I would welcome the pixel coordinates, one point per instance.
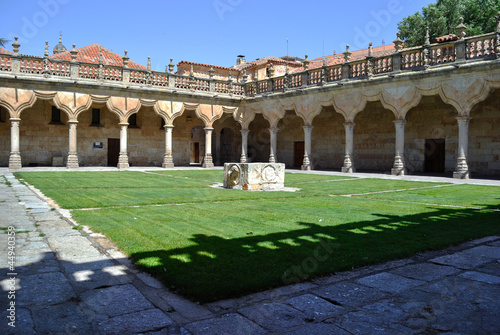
(126, 59)
(398, 42)
(271, 71)
(370, 49)
(73, 53)
(149, 63)
(229, 74)
(347, 53)
(15, 45)
(101, 57)
(191, 71)
(171, 66)
(427, 36)
(325, 63)
(461, 28)
(46, 52)
(306, 63)
(211, 72)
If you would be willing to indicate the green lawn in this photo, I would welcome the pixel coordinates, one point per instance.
(210, 244)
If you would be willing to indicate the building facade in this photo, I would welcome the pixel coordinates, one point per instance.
(428, 109)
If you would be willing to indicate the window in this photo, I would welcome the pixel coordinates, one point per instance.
(132, 121)
(55, 115)
(162, 124)
(96, 117)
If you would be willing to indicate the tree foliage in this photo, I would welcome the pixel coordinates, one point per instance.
(3, 41)
(443, 16)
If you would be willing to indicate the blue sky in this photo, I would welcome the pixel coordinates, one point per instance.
(209, 31)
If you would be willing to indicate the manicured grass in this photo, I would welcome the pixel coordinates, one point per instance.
(210, 244)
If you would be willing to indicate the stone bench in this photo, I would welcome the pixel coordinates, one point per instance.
(254, 176)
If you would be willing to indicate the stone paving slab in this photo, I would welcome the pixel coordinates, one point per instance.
(226, 324)
(139, 322)
(471, 258)
(274, 317)
(425, 271)
(389, 282)
(349, 294)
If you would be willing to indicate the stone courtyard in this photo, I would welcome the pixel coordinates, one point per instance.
(76, 282)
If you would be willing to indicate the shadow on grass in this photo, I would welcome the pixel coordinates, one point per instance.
(216, 268)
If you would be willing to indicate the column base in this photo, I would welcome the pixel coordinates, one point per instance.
(168, 162)
(349, 169)
(72, 162)
(243, 159)
(123, 162)
(398, 171)
(272, 159)
(15, 161)
(208, 162)
(461, 175)
(307, 167)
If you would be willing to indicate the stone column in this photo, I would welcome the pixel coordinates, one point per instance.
(217, 148)
(349, 142)
(399, 168)
(244, 145)
(307, 164)
(123, 158)
(73, 151)
(272, 148)
(15, 155)
(462, 169)
(207, 161)
(168, 161)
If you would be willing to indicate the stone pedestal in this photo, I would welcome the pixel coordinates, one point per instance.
(15, 155)
(254, 176)
(168, 161)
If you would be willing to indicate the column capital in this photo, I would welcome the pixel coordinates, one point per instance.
(273, 129)
(307, 127)
(208, 128)
(168, 126)
(349, 124)
(123, 124)
(463, 118)
(73, 121)
(14, 119)
(399, 121)
(244, 131)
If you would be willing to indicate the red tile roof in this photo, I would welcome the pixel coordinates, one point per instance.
(265, 60)
(384, 50)
(204, 65)
(447, 38)
(90, 54)
(5, 51)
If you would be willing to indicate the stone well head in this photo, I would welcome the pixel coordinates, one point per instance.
(254, 176)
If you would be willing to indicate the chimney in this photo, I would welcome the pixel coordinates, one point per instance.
(240, 60)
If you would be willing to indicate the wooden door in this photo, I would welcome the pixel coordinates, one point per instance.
(434, 155)
(298, 154)
(113, 151)
(196, 150)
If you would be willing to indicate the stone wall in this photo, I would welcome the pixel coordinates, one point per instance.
(183, 141)
(290, 131)
(374, 139)
(484, 137)
(328, 140)
(258, 140)
(431, 119)
(4, 137)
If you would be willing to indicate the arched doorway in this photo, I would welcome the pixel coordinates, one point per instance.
(197, 145)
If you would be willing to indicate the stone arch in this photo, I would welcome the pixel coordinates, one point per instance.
(16, 100)
(328, 140)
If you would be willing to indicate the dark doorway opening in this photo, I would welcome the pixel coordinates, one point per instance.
(298, 154)
(434, 155)
(196, 149)
(113, 151)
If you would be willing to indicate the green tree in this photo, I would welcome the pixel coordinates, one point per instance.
(443, 16)
(3, 41)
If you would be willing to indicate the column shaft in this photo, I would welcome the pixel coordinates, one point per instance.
(274, 137)
(349, 143)
(207, 161)
(72, 161)
(244, 145)
(217, 148)
(168, 161)
(399, 168)
(123, 158)
(307, 163)
(15, 155)
(462, 168)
